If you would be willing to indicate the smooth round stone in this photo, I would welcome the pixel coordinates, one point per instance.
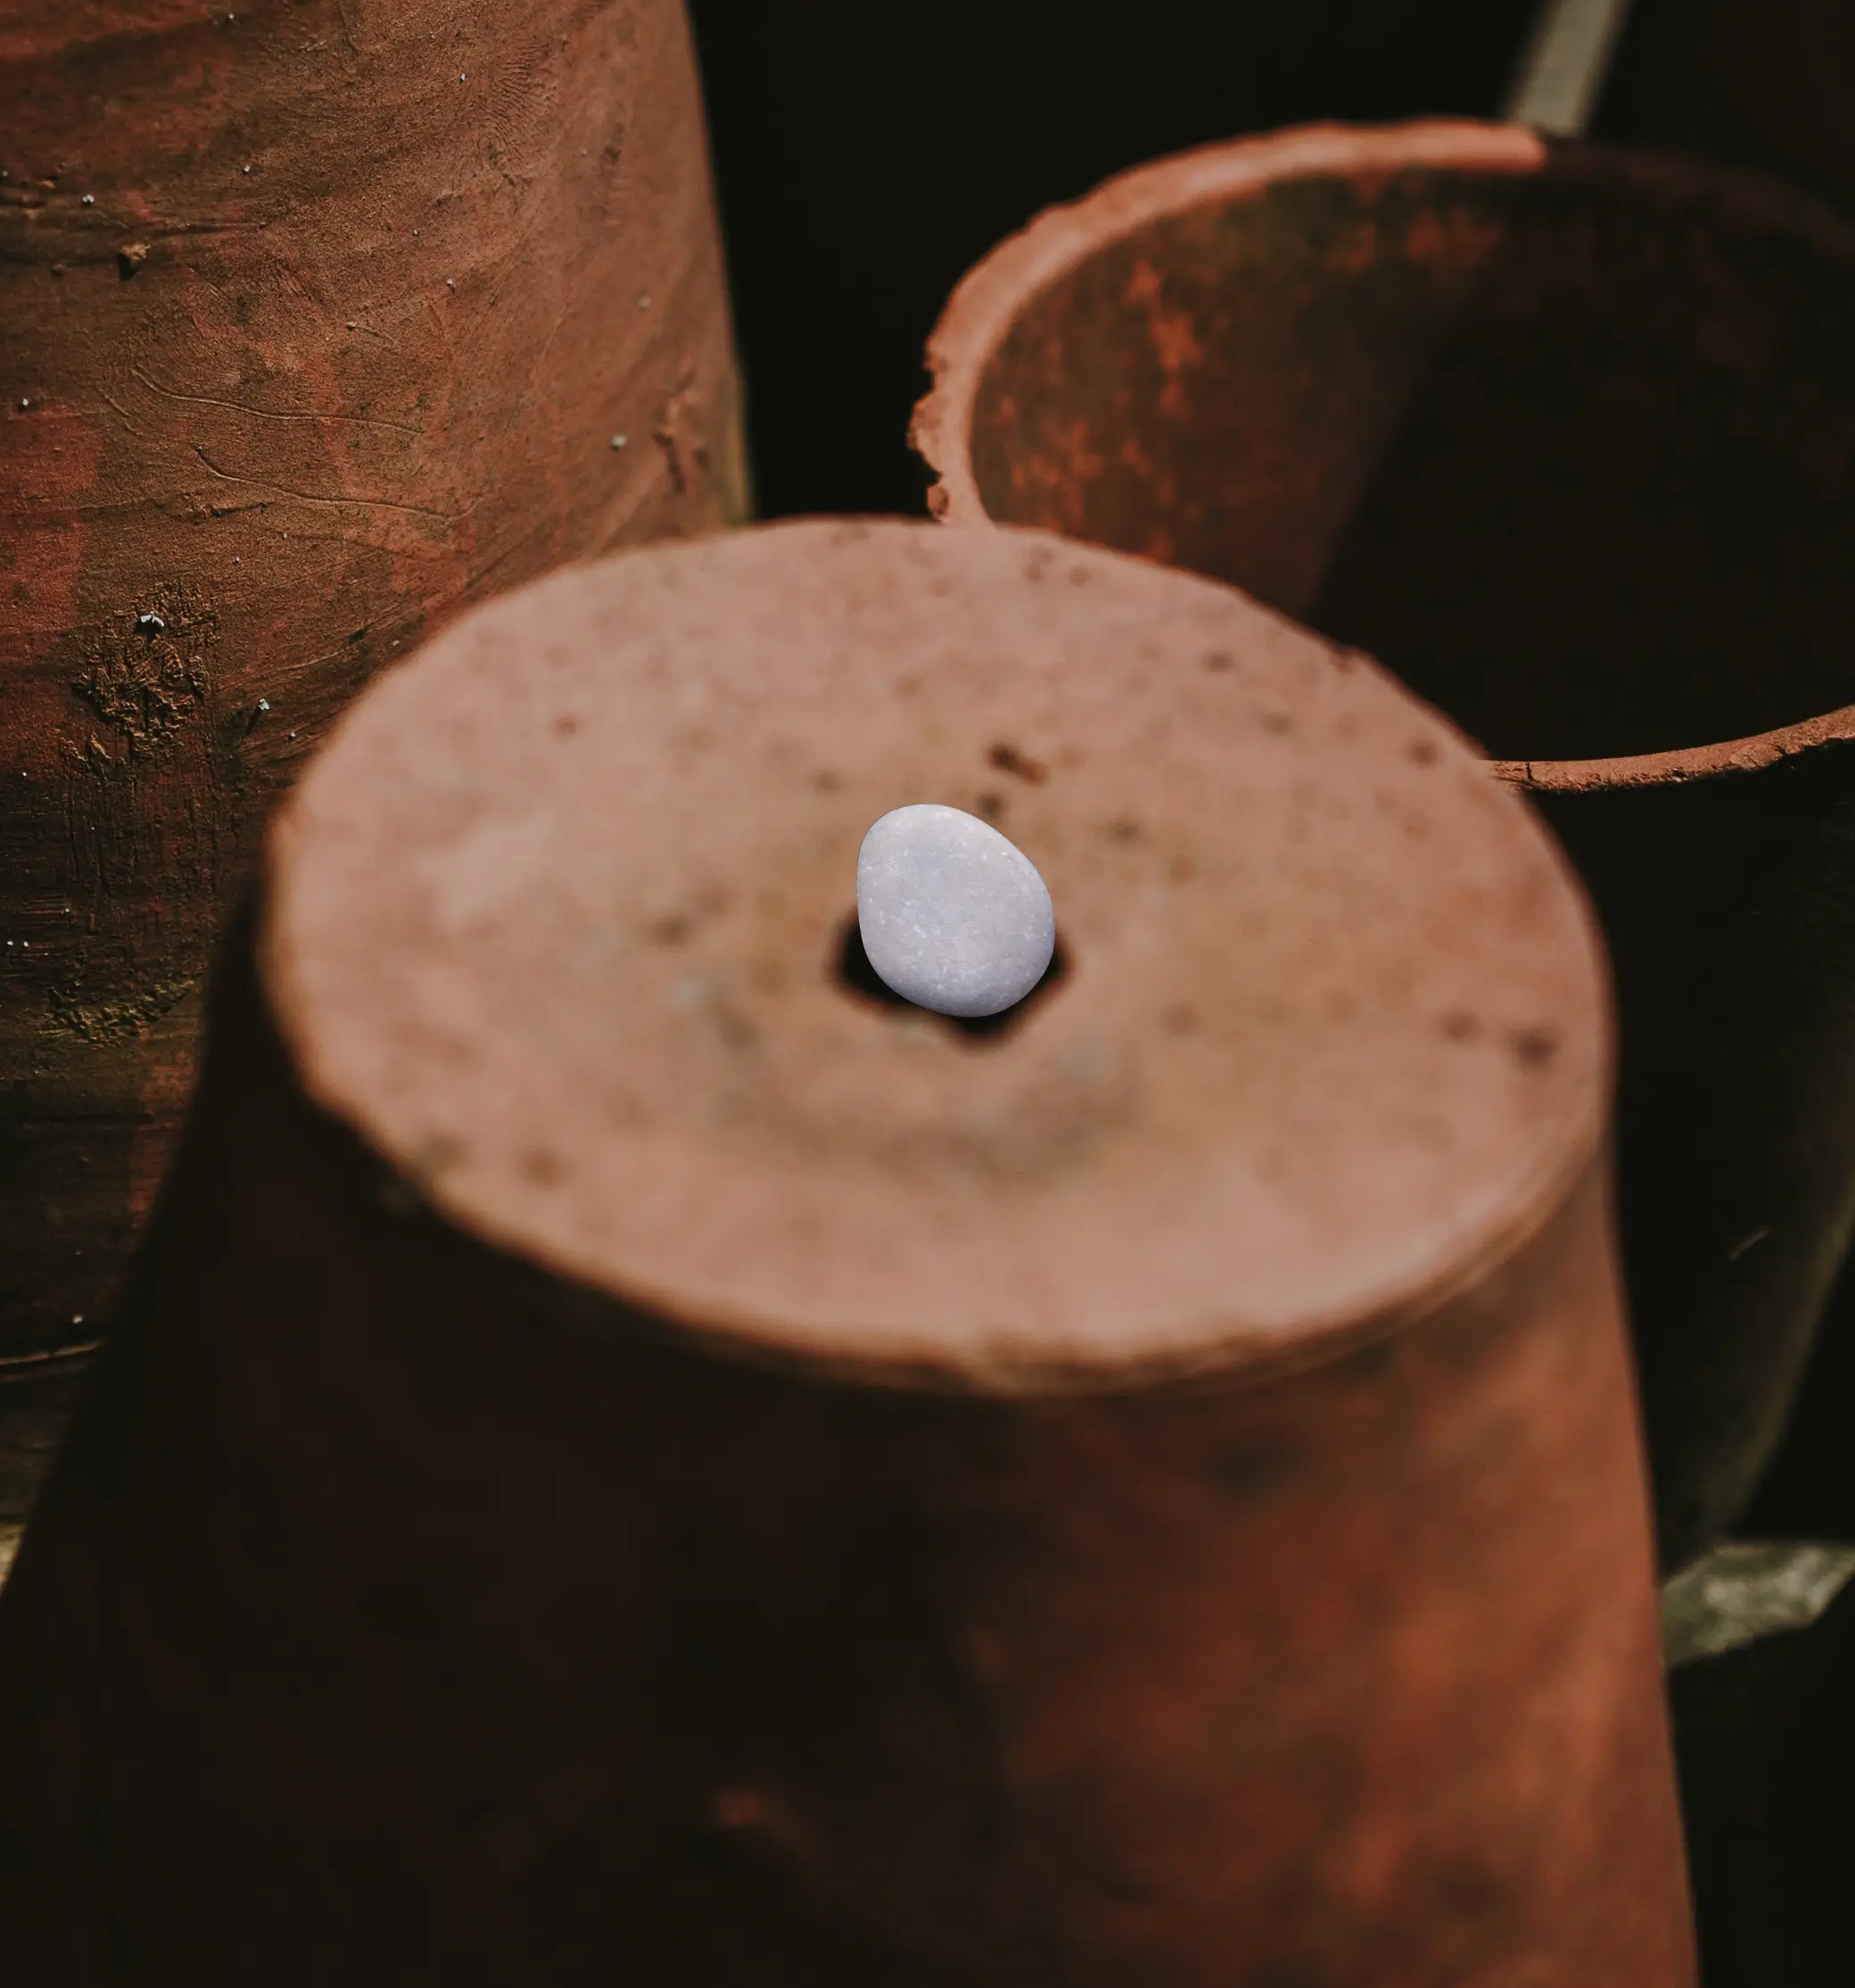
(954, 917)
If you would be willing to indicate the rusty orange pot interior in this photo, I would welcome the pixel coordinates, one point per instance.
(1558, 434)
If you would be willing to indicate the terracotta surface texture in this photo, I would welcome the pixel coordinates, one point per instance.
(626, 1457)
(1566, 438)
(317, 322)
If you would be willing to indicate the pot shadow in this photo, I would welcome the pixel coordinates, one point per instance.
(852, 971)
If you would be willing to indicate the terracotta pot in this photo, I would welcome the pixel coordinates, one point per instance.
(860, 171)
(627, 1458)
(1761, 83)
(318, 323)
(1567, 438)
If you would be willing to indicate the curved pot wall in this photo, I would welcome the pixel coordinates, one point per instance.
(628, 1458)
(318, 323)
(1567, 439)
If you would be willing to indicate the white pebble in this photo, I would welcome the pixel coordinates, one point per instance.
(954, 917)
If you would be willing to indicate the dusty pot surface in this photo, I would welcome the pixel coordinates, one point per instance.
(628, 1458)
(1567, 439)
(318, 323)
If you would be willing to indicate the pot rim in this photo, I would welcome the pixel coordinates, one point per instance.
(987, 302)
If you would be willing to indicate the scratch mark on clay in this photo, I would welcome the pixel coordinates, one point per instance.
(326, 503)
(450, 356)
(524, 539)
(272, 413)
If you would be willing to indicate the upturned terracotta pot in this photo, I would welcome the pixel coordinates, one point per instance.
(861, 170)
(628, 1458)
(1567, 439)
(318, 322)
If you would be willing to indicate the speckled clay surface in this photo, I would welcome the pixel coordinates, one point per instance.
(628, 1458)
(1320, 1046)
(318, 322)
(1565, 437)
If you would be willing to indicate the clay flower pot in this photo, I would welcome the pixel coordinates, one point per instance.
(317, 322)
(627, 1458)
(1567, 439)
(861, 170)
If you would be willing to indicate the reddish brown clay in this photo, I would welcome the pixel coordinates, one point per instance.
(1568, 439)
(318, 322)
(626, 1459)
